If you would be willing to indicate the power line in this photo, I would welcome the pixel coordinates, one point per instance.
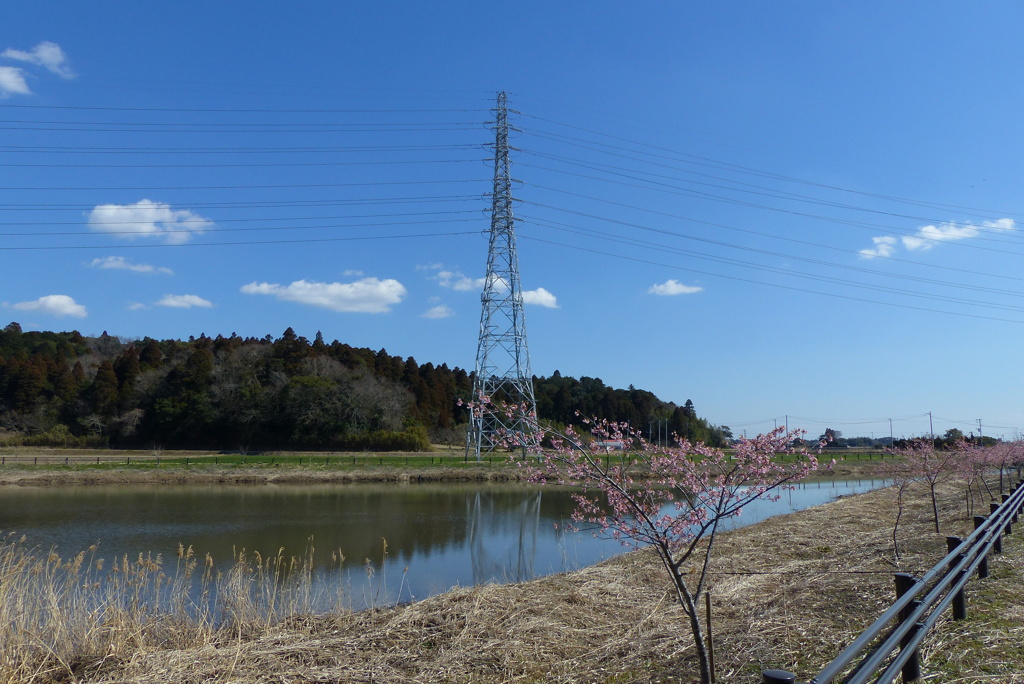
(243, 165)
(808, 243)
(762, 173)
(668, 188)
(769, 284)
(789, 272)
(290, 204)
(265, 129)
(250, 243)
(235, 151)
(203, 223)
(297, 186)
(637, 175)
(179, 110)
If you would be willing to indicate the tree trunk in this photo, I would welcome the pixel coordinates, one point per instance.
(689, 603)
(703, 658)
(896, 527)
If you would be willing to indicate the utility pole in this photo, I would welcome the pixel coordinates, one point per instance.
(890, 432)
(931, 429)
(506, 408)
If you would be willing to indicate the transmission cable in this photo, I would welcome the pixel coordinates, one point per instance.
(588, 231)
(796, 274)
(768, 284)
(260, 242)
(100, 228)
(766, 174)
(671, 189)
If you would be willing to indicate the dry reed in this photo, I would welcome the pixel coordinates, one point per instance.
(62, 618)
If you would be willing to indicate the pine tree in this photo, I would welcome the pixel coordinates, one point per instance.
(104, 390)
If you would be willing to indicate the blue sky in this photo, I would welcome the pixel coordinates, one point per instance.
(794, 209)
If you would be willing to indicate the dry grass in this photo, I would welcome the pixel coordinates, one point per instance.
(788, 593)
(250, 475)
(65, 617)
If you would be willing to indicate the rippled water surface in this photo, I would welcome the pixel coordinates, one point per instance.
(438, 536)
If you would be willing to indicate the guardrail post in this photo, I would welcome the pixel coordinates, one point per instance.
(777, 677)
(979, 520)
(960, 600)
(1013, 518)
(904, 583)
(997, 542)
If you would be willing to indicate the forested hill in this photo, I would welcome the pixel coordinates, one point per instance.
(63, 389)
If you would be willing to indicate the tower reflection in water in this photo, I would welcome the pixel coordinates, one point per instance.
(494, 557)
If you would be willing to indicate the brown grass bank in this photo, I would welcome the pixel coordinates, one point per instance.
(70, 467)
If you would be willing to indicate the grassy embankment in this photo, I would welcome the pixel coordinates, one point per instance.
(789, 592)
(39, 466)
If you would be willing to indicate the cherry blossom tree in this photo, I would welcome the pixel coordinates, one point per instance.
(672, 500)
(971, 463)
(1006, 455)
(931, 466)
(900, 473)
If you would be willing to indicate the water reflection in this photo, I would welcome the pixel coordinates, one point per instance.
(437, 536)
(496, 562)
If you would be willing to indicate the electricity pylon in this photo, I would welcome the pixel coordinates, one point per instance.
(505, 409)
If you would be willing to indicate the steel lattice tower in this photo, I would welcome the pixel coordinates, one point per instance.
(502, 361)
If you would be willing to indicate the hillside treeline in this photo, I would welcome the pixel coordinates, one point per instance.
(64, 389)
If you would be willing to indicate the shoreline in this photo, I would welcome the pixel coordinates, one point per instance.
(148, 470)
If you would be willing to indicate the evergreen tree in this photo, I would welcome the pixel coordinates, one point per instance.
(104, 390)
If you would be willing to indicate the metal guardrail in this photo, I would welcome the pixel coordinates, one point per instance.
(888, 649)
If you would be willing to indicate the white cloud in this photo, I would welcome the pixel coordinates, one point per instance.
(12, 82)
(137, 306)
(458, 281)
(439, 311)
(929, 236)
(673, 287)
(122, 264)
(352, 273)
(54, 305)
(367, 295)
(47, 54)
(147, 218)
(540, 297)
(184, 302)
(884, 246)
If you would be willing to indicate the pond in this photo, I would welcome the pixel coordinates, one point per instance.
(437, 535)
